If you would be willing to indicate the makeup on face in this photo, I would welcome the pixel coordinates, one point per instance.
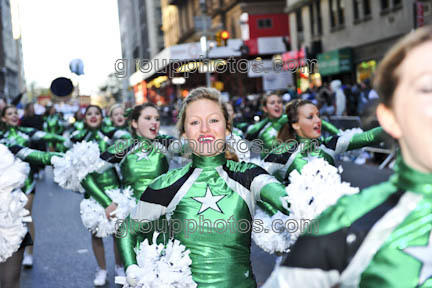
(205, 125)
(148, 123)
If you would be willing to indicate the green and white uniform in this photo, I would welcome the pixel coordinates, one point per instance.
(54, 125)
(22, 136)
(139, 164)
(109, 178)
(208, 191)
(295, 154)
(380, 237)
(267, 130)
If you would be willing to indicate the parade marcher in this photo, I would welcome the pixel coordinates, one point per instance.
(118, 127)
(93, 132)
(12, 134)
(382, 236)
(30, 119)
(53, 124)
(10, 268)
(211, 188)
(340, 98)
(301, 140)
(267, 129)
(141, 159)
(235, 131)
(236, 136)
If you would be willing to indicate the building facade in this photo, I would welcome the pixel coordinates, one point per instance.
(349, 37)
(141, 35)
(12, 81)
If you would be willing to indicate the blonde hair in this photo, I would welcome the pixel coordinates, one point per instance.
(212, 95)
(113, 107)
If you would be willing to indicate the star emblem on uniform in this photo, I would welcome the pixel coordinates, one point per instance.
(272, 132)
(141, 155)
(209, 201)
(424, 255)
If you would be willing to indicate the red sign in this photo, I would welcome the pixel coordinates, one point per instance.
(293, 59)
(419, 14)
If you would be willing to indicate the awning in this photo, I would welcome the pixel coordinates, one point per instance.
(181, 54)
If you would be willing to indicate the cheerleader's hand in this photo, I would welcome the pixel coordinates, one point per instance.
(132, 273)
(108, 211)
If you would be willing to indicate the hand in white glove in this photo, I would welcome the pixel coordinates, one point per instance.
(132, 273)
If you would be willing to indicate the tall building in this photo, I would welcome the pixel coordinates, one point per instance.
(12, 81)
(140, 32)
(349, 37)
(251, 29)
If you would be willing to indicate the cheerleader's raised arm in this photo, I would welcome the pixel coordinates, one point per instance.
(302, 141)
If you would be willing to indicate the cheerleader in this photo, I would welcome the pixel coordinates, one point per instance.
(141, 159)
(53, 124)
(236, 137)
(267, 129)
(107, 180)
(235, 131)
(13, 134)
(11, 261)
(211, 189)
(382, 236)
(119, 128)
(301, 140)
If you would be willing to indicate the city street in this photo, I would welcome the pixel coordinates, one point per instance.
(63, 255)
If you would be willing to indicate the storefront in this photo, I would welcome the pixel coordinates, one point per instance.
(366, 57)
(336, 64)
(304, 74)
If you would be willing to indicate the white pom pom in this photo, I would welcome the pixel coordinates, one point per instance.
(93, 214)
(318, 187)
(161, 266)
(13, 173)
(271, 235)
(79, 161)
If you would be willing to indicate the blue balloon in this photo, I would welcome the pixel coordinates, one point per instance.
(77, 66)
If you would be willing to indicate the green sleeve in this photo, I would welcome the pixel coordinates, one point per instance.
(33, 156)
(91, 187)
(329, 127)
(283, 119)
(50, 137)
(373, 136)
(126, 234)
(273, 194)
(253, 131)
(242, 126)
(130, 233)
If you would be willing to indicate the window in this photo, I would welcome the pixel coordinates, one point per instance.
(333, 11)
(362, 9)
(312, 18)
(385, 4)
(319, 18)
(397, 3)
(337, 13)
(356, 7)
(341, 11)
(265, 23)
(315, 17)
(299, 21)
(366, 8)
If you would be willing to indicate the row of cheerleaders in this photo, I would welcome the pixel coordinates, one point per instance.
(380, 236)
